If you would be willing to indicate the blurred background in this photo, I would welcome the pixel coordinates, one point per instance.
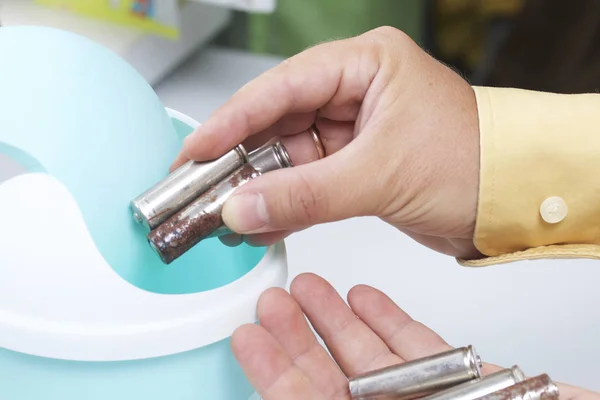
(551, 45)
(197, 53)
(548, 45)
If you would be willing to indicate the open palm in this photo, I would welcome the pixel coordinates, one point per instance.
(283, 359)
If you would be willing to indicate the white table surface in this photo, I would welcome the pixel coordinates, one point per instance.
(542, 315)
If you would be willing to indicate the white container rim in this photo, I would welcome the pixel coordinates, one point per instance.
(129, 324)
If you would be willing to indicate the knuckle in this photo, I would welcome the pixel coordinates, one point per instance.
(390, 42)
(385, 30)
(389, 34)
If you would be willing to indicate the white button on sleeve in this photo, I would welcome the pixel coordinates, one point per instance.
(553, 210)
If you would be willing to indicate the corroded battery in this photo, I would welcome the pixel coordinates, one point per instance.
(418, 378)
(202, 218)
(475, 389)
(183, 186)
(540, 387)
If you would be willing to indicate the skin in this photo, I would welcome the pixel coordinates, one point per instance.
(283, 359)
(401, 133)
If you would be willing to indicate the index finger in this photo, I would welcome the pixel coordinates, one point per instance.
(304, 83)
(353, 345)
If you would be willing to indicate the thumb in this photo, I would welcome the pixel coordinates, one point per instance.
(323, 191)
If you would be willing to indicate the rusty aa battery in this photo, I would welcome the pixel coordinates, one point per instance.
(475, 389)
(540, 387)
(418, 378)
(183, 186)
(202, 218)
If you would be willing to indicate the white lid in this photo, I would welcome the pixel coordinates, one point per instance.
(60, 299)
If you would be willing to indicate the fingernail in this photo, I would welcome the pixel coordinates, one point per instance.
(195, 135)
(189, 140)
(246, 213)
(179, 160)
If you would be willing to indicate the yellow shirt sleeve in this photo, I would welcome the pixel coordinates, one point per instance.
(539, 193)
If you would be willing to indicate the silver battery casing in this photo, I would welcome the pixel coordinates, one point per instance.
(198, 220)
(475, 389)
(263, 159)
(270, 158)
(202, 218)
(418, 378)
(182, 186)
(539, 387)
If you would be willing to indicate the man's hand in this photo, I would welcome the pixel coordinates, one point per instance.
(400, 131)
(283, 359)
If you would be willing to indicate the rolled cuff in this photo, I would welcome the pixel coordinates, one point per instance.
(539, 192)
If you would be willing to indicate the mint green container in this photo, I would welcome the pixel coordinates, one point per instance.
(87, 310)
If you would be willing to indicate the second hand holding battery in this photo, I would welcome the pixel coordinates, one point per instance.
(451, 375)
